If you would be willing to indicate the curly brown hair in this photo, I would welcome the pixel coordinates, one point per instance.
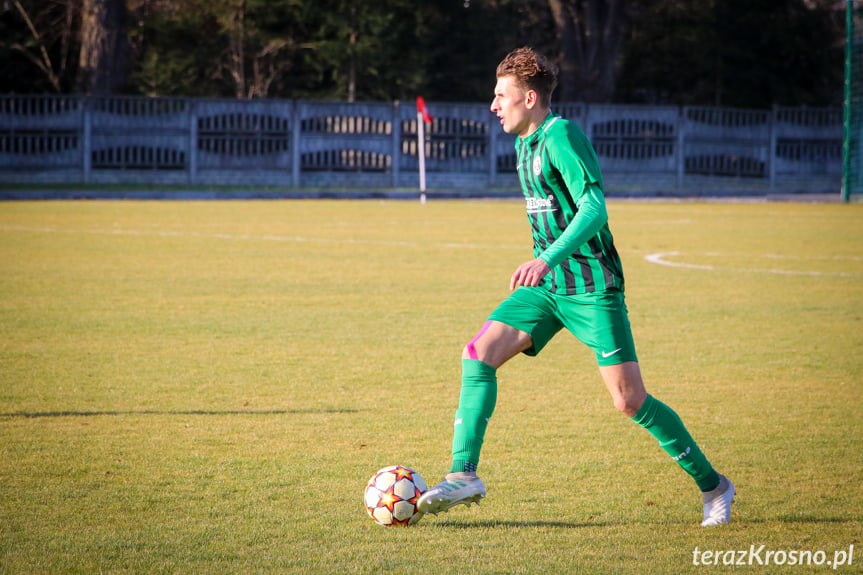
(531, 70)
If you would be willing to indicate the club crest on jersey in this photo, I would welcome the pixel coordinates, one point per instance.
(537, 165)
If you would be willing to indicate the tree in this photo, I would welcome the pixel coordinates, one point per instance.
(463, 42)
(590, 34)
(254, 59)
(386, 49)
(222, 48)
(351, 42)
(103, 63)
(39, 37)
(709, 52)
(734, 53)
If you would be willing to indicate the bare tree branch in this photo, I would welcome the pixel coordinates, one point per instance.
(45, 63)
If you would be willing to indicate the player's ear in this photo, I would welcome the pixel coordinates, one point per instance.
(531, 98)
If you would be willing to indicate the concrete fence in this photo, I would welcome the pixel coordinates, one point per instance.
(372, 145)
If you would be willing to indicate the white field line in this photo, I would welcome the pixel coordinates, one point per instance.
(661, 258)
(268, 238)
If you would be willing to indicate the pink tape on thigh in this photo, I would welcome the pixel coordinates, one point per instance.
(471, 349)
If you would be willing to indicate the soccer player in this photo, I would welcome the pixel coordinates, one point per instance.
(574, 282)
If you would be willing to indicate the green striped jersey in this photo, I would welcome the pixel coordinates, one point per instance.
(556, 164)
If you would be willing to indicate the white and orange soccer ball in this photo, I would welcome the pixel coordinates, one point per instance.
(391, 496)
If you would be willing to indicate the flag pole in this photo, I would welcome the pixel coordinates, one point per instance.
(422, 118)
(421, 152)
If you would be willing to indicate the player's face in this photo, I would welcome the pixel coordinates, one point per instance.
(511, 106)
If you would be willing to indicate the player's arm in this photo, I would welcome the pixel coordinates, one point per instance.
(574, 159)
(590, 218)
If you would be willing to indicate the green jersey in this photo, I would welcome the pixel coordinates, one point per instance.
(562, 185)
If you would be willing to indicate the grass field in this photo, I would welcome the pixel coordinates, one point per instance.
(205, 387)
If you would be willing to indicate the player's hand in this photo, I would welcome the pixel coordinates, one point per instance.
(529, 274)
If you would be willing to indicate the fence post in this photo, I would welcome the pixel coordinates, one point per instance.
(296, 125)
(772, 152)
(86, 139)
(193, 140)
(397, 144)
(681, 142)
(492, 147)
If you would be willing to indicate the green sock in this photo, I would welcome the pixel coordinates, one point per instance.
(475, 407)
(665, 425)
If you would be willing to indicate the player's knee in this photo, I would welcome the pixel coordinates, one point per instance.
(469, 351)
(629, 404)
(626, 387)
(626, 406)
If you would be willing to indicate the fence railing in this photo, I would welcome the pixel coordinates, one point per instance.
(309, 144)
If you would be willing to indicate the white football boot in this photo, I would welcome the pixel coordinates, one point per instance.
(455, 489)
(717, 503)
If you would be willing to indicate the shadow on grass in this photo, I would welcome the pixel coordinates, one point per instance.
(794, 519)
(497, 523)
(38, 414)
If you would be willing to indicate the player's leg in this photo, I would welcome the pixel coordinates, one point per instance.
(495, 344)
(601, 321)
(492, 347)
(626, 386)
(523, 323)
(519, 324)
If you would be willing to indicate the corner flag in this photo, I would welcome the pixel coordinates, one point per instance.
(422, 118)
(422, 111)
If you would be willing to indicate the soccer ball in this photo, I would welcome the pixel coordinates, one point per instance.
(391, 496)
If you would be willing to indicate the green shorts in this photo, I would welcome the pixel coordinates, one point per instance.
(598, 320)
